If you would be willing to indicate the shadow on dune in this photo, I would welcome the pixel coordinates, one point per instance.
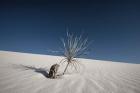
(43, 71)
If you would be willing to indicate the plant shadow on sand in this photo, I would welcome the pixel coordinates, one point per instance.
(43, 71)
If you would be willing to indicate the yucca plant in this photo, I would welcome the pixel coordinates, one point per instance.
(74, 46)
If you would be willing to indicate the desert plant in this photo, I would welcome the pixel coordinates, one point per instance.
(74, 46)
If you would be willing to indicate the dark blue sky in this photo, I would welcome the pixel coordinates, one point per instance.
(36, 26)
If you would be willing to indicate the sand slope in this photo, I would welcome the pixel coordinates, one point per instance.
(25, 73)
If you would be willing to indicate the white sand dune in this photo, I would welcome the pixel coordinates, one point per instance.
(25, 73)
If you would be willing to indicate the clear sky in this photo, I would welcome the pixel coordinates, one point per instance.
(36, 26)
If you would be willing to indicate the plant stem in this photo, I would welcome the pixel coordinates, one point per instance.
(66, 68)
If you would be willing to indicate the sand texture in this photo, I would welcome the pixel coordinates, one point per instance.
(27, 73)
